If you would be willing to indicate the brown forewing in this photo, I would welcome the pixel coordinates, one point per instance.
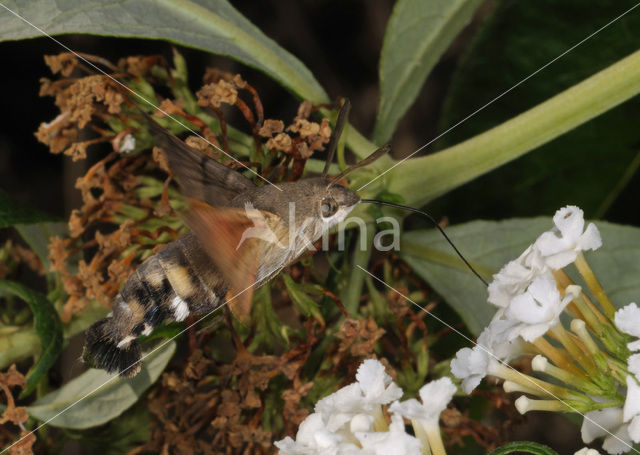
(239, 241)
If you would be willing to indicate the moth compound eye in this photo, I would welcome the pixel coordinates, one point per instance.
(329, 207)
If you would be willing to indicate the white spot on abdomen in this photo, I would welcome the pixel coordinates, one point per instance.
(125, 341)
(180, 309)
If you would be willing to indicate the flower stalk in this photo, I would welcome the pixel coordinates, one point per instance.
(594, 285)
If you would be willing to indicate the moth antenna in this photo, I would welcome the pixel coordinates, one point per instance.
(368, 160)
(414, 210)
(343, 115)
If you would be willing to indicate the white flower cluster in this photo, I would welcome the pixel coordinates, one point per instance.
(527, 296)
(620, 425)
(351, 420)
(599, 378)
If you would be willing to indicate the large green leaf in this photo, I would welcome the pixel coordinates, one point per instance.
(489, 245)
(47, 326)
(419, 31)
(210, 25)
(588, 166)
(95, 397)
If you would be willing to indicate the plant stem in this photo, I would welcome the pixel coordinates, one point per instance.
(463, 162)
(353, 290)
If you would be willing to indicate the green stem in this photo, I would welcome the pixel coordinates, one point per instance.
(353, 289)
(461, 163)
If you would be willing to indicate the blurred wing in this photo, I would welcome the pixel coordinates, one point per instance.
(237, 241)
(199, 176)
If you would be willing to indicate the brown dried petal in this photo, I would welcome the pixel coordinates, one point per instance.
(303, 150)
(13, 378)
(197, 365)
(113, 99)
(171, 107)
(282, 141)
(90, 279)
(203, 146)
(62, 63)
(77, 151)
(239, 82)
(58, 254)
(325, 129)
(161, 159)
(56, 139)
(136, 65)
(15, 415)
(47, 88)
(76, 227)
(215, 94)
(79, 98)
(308, 128)
(119, 271)
(72, 285)
(270, 126)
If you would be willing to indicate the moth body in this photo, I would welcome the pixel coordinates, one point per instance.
(241, 236)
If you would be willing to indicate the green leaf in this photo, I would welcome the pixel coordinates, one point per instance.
(47, 326)
(301, 300)
(37, 235)
(95, 397)
(588, 166)
(12, 212)
(418, 33)
(269, 326)
(211, 25)
(131, 429)
(524, 447)
(490, 245)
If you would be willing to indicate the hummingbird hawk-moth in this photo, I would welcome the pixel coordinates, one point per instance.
(241, 237)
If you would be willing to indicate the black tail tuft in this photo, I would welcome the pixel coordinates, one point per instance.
(101, 350)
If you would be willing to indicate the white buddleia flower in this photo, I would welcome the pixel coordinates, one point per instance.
(561, 245)
(393, 442)
(515, 277)
(539, 308)
(373, 389)
(608, 423)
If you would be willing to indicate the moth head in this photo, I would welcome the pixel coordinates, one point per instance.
(336, 203)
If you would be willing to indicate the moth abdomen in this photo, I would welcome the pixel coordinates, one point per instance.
(174, 283)
(102, 350)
